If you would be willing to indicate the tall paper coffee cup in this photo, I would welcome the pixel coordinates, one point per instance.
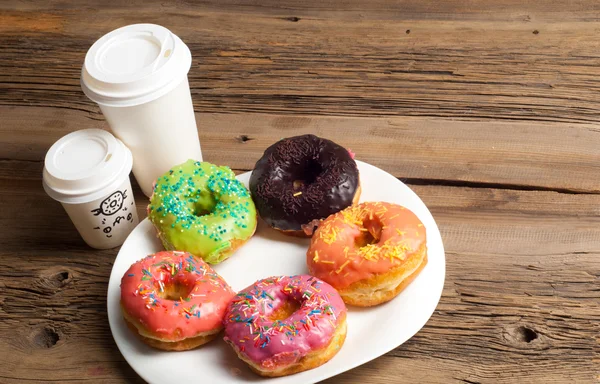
(138, 76)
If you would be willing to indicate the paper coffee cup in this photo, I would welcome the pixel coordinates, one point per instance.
(87, 171)
(138, 76)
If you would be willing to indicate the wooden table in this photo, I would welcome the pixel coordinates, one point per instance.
(488, 110)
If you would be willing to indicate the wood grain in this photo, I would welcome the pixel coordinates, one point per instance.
(509, 308)
(488, 110)
(521, 155)
(506, 61)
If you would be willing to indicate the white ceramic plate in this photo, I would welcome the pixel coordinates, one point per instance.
(372, 332)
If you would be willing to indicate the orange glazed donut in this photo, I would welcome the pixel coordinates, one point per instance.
(173, 301)
(369, 252)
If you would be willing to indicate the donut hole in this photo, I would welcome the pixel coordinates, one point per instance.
(203, 204)
(285, 310)
(307, 175)
(370, 232)
(174, 291)
(201, 211)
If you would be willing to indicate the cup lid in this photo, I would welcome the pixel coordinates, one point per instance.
(85, 165)
(134, 64)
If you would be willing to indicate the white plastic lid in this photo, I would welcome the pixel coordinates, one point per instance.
(134, 64)
(85, 165)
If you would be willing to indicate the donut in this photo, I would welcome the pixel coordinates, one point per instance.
(369, 252)
(200, 208)
(173, 301)
(300, 180)
(284, 325)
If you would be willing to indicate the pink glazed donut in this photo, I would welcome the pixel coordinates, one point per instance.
(284, 325)
(173, 301)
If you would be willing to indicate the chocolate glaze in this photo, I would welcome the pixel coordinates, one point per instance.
(321, 170)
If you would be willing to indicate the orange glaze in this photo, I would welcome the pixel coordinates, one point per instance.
(199, 310)
(362, 241)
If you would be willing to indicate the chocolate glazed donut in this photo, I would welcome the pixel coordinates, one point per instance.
(301, 180)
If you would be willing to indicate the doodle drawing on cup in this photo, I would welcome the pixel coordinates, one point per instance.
(112, 204)
(108, 207)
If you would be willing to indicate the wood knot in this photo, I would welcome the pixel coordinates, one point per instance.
(46, 337)
(522, 335)
(535, 31)
(243, 138)
(408, 31)
(59, 279)
(293, 19)
(62, 277)
(53, 280)
(525, 335)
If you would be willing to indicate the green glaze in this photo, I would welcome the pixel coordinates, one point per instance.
(201, 208)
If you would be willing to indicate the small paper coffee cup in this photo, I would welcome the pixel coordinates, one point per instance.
(87, 171)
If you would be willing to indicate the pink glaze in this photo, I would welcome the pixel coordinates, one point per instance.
(200, 311)
(276, 343)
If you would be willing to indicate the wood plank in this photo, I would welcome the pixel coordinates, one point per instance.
(487, 109)
(490, 62)
(521, 298)
(517, 154)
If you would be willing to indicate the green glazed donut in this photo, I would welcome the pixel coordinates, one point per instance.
(201, 208)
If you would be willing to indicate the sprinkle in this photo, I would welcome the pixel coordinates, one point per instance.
(316, 258)
(342, 267)
(401, 233)
(327, 262)
(130, 275)
(419, 225)
(297, 193)
(331, 237)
